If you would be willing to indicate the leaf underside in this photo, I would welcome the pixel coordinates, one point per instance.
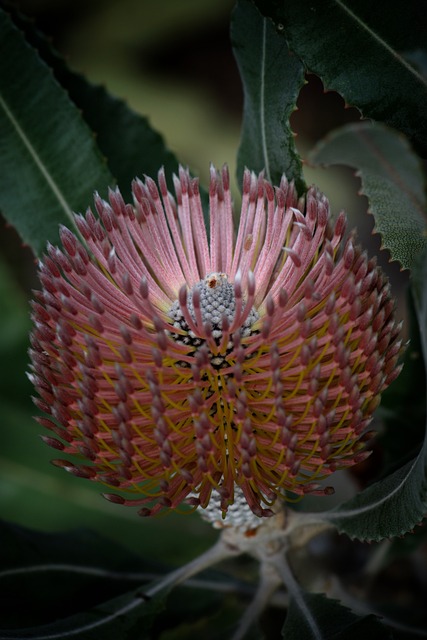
(392, 180)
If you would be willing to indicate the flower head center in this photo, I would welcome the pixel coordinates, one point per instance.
(212, 312)
(217, 300)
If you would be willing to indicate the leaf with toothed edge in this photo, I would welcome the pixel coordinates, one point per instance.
(130, 145)
(398, 503)
(126, 139)
(49, 161)
(366, 52)
(313, 616)
(392, 180)
(272, 79)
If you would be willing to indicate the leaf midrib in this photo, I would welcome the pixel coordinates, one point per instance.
(262, 101)
(331, 516)
(37, 160)
(381, 42)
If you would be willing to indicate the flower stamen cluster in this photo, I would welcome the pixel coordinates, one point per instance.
(174, 368)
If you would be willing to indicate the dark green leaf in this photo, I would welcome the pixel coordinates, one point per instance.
(272, 79)
(49, 161)
(392, 180)
(127, 140)
(396, 504)
(312, 616)
(132, 147)
(388, 508)
(69, 580)
(198, 613)
(22, 546)
(62, 583)
(128, 616)
(364, 50)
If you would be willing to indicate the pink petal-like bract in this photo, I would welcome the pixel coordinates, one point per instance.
(176, 365)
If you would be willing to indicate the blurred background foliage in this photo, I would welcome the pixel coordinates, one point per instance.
(171, 61)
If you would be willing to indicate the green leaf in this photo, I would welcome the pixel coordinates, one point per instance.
(51, 584)
(392, 180)
(80, 584)
(312, 616)
(388, 508)
(131, 146)
(396, 504)
(198, 613)
(127, 140)
(49, 161)
(128, 616)
(272, 79)
(364, 51)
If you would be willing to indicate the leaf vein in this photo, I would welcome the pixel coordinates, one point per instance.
(337, 515)
(382, 42)
(38, 162)
(262, 99)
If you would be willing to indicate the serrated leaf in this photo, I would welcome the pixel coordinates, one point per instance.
(312, 616)
(272, 79)
(396, 504)
(49, 161)
(392, 180)
(364, 51)
(131, 146)
(126, 139)
(388, 508)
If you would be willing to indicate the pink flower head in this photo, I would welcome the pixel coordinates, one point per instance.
(176, 367)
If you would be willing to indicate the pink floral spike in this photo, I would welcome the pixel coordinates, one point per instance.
(235, 370)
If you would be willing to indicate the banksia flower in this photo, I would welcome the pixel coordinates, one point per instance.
(234, 370)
